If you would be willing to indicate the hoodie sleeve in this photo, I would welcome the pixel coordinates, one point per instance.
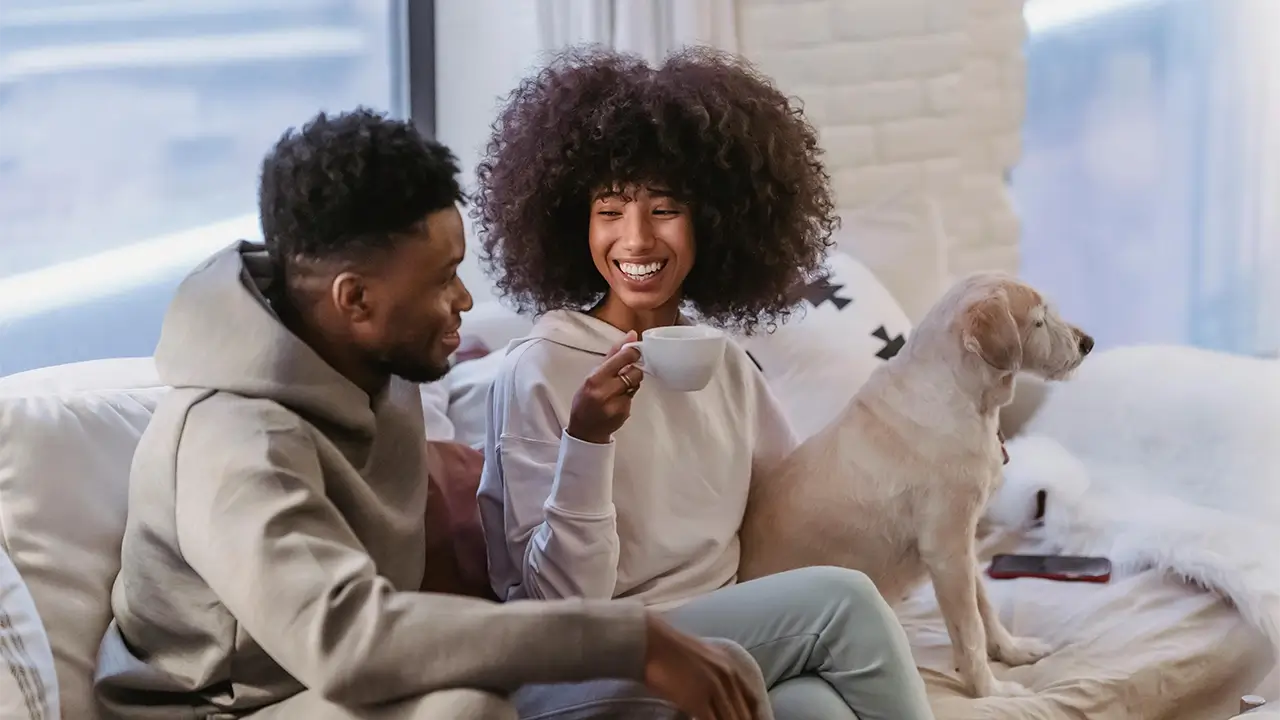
(546, 498)
(254, 522)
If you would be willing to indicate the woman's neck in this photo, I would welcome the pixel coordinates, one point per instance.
(613, 311)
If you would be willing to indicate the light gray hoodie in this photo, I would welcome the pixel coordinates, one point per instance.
(275, 538)
(654, 514)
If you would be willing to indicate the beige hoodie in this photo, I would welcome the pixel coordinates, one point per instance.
(275, 537)
(653, 515)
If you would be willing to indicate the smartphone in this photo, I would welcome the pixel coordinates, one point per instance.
(1068, 568)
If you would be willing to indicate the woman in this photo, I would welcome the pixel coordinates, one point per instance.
(614, 198)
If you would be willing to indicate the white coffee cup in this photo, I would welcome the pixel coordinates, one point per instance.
(682, 357)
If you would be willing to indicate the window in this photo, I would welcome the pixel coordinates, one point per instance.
(1148, 182)
(131, 134)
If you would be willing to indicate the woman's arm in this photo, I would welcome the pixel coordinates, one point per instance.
(546, 497)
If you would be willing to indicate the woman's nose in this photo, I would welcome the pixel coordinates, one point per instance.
(638, 235)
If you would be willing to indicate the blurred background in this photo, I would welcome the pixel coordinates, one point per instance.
(1139, 167)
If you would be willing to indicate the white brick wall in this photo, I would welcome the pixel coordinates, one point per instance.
(919, 104)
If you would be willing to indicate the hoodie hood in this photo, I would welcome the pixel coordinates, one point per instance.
(577, 330)
(220, 333)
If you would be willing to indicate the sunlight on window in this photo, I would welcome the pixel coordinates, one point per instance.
(130, 139)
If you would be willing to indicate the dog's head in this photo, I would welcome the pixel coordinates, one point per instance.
(997, 326)
(1011, 328)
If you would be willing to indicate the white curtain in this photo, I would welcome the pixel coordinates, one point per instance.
(1236, 298)
(649, 28)
(1149, 187)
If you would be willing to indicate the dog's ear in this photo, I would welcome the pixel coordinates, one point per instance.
(989, 330)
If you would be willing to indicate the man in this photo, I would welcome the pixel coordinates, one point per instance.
(275, 541)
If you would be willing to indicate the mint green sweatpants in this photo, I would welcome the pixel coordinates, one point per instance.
(828, 644)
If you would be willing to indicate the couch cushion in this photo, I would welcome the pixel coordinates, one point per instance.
(69, 434)
(469, 384)
(849, 325)
(435, 411)
(487, 329)
(28, 685)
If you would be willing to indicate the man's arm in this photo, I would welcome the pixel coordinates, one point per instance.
(254, 521)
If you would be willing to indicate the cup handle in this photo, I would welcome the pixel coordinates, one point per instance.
(639, 345)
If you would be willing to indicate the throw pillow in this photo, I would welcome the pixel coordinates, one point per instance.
(848, 326)
(28, 684)
(72, 435)
(456, 560)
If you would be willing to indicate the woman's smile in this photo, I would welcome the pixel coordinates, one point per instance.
(640, 275)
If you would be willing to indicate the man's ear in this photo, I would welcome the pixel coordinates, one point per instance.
(350, 295)
(989, 330)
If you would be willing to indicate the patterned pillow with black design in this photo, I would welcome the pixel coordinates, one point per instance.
(847, 326)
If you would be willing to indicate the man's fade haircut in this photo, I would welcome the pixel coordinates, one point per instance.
(349, 186)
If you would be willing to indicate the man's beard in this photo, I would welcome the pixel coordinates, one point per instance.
(403, 366)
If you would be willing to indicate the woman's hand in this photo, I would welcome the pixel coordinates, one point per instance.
(603, 403)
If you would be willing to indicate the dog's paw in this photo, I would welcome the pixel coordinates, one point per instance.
(1021, 651)
(1009, 688)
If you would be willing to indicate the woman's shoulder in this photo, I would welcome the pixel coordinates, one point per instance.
(540, 361)
(739, 363)
(528, 362)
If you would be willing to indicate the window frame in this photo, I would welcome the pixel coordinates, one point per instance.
(419, 23)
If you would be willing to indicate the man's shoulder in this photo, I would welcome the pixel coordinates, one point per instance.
(210, 419)
(230, 411)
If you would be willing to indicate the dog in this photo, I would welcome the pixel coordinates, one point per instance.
(896, 484)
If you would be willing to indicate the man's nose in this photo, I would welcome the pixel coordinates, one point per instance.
(465, 302)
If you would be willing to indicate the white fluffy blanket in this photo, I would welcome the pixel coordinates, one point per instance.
(1160, 457)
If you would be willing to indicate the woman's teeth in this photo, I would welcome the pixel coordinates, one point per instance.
(640, 272)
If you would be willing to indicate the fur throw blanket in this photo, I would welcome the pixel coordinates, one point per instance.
(1159, 457)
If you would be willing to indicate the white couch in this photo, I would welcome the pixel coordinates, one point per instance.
(66, 440)
(67, 436)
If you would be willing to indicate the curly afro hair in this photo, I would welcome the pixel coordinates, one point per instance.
(705, 125)
(350, 184)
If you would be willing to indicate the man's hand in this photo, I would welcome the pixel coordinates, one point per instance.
(603, 403)
(697, 678)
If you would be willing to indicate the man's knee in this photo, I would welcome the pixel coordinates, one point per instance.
(458, 704)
